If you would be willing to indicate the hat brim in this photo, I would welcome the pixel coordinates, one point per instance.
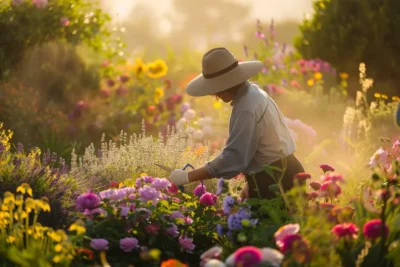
(201, 86)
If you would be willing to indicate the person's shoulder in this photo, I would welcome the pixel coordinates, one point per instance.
(253, 99)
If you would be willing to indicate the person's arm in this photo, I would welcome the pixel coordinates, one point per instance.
(237, 154)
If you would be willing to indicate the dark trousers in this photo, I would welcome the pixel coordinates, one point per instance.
(264, 180)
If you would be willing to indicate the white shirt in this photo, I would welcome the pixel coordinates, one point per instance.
(258, 135)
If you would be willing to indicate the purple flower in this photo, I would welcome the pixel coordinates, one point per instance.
(148, 179)
(125, 211)
(173, 231)
(177, 214)
(221, 186)
(199, 190)
(138, 182)
(220, 230)
(93, 211)
(88, 201)
(99, 244)
(186, 243)
(149, 193)
(235, 220)
(128, 244)
(161, 183)
(113, 194)
(228, 203)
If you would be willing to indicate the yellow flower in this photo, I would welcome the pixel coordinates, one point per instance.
(30, 204)
(10, 239)
(344, 75)
(159, 93)
(396, 98)
(155, 254)
(384, 96)
(139, 68)
(143, 175)
(56, 236)
(58, 248)
(310, 82)
(217, 105)
(9, 198)
(157, 69)
(43, 204)
(318, 75)
(78, 228)
(24, 188)
(199, 151)
(20, 215)
(57, 258)
(377, 95)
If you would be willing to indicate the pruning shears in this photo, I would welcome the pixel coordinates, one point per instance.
(168, 169)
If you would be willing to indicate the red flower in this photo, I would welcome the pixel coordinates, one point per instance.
(113, 185)
(302, 176)
(373, 229)
(152, 229)
(345, 230)
(326, 168)
(87, 253)
(172, 263)
(312, 195)
(173, 189)
(315, 185)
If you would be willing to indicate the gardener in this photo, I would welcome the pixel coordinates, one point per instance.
(258, 134)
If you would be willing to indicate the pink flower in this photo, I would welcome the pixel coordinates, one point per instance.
(297, 246)
(208, 199)
(125, 211)
(293, 71)
(199, 190)
(380, 157)
(333, 177)
(93, 211)
(302, 176)
(88, 201)
(99, 244)
(289, 229)
(260, 35)
(212, 253)
(345, 230)
(176, 200)
(315, 185)
(40, 3)
(64, 21)
(186, 243)
(330, 189)
(188, 220)
(160, 183)
(373, 229)
(128, 244)
(326, 168)
(312, 195)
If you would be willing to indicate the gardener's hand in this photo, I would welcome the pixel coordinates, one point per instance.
(245, 192)
(179, 177)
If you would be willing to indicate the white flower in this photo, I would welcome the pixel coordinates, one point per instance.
(272, 256)
(189, 114)
(207, 130)
(180, 124)
(198, 135)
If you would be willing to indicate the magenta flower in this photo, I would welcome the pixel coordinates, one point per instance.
(333, 177)
(149, 193)
(172, 231)
(173, 189)
(260, 35)
(288, 229)
(373, 229)
(297, 246)
(128, 244)
(326, 168)
(99, 244)
(93, 212)
(247, 256)
(87, 201)
(330, 189)
(199, 190)
(186, 243)
(312, 195)
(315, 185)
(302, 176)
(208, 199)
(345, 230)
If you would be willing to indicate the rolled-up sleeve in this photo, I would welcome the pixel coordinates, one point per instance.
(239, 150)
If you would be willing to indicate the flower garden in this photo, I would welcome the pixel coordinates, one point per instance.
(78, 180)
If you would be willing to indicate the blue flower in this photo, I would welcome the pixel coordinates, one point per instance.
(228, 203)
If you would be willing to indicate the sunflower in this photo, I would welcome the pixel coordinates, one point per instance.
(157, 69)
(159, 93)
(139, 68)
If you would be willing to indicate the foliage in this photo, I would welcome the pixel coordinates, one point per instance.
(48, 178)
(345, 33)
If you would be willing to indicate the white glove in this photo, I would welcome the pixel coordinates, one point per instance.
(179, 177)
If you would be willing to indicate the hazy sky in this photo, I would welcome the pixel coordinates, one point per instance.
(264, 9)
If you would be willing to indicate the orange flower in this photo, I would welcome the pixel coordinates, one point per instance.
(199, 151)
(172, 263)
(344, 75)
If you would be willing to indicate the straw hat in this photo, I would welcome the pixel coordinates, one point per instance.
(221, 71)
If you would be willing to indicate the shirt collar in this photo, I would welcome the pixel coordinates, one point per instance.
(240, 92)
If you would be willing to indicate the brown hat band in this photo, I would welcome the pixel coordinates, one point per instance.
(220, 72)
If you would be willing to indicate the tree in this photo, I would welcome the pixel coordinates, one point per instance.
(347, 32)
